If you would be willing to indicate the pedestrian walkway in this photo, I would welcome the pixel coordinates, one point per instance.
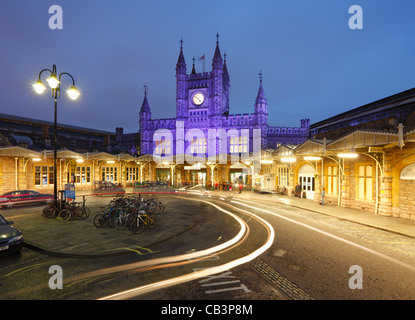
(81, 238)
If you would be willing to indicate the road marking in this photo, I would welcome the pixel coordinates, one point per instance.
(220, 283)
(241, 287)
(202, 273)
(402, 264)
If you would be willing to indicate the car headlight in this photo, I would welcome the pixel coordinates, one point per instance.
(19, 237)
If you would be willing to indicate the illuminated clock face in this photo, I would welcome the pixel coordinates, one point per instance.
(198, 98)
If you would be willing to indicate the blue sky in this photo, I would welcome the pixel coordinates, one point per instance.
(314, 65)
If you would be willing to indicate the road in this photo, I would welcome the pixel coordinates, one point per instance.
(239, 250)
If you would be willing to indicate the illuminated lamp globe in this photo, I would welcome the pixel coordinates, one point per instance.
(73, 93)
(39, 87)
(53, 82)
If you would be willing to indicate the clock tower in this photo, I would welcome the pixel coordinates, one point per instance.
(202, 108)
(202, 98)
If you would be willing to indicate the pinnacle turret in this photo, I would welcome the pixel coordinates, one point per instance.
(181, 63)
(145, 110)
(261, 104)
(217, 62)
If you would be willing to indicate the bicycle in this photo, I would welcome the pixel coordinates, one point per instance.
(51, 211)
(85, 212)
(102, 218)
(142, 220)
(153, 206)
(71, 212)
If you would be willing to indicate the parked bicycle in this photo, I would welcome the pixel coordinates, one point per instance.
(74, 210)
(141, 221)
(52, 210)
(132, 212)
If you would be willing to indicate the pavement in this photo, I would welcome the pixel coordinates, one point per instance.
(81, 238)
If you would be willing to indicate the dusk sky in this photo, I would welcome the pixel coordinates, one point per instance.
(314, 66)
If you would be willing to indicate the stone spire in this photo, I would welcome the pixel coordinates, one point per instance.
(261, 104)
(145, 110)
(217, 62)
(181, 63)
(261, 94)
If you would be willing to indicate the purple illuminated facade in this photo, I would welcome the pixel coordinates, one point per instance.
(202, 104)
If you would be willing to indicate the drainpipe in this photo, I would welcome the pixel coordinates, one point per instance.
(377, 190)
(340, 182)
(400, 134)
(60, 174)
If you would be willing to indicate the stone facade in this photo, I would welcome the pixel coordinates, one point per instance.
(381, 176)
(202, 104)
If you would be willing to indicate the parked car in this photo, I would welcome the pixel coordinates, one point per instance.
(24, 197)
(106, 187)
(11, 238)
(155, 185)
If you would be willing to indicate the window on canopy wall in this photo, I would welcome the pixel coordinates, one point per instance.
(43, 175)
(365, 182)
(283, 176)
(109, 174)
(132, 173)
(332, 180)
(81, 175)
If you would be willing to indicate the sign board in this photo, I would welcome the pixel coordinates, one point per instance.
(70, 191)
(375, 149)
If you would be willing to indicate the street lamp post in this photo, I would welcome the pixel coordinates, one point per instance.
(54, 82)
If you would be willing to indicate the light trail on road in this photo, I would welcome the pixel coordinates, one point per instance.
(128, 294)
(175, 260)
(402, 264)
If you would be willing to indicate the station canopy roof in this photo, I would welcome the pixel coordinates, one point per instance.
(19, 152)
(65, 154)
(364, 139)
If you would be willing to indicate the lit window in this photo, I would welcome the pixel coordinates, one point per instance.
(332, 180)
(43, 175)
(365, 182)
(238, 144)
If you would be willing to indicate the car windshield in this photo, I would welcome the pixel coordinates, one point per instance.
(2, 220)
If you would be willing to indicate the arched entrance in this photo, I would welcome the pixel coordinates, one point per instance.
(406, 192)
(238, 173)
(306, 179)
(196, 174)
(163, 173)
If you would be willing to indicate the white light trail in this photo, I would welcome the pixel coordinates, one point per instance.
(412, 268)
(202, 273)
(183, 257)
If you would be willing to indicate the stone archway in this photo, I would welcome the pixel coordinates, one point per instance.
(306, 178)
(401, 181)
(406, 192)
